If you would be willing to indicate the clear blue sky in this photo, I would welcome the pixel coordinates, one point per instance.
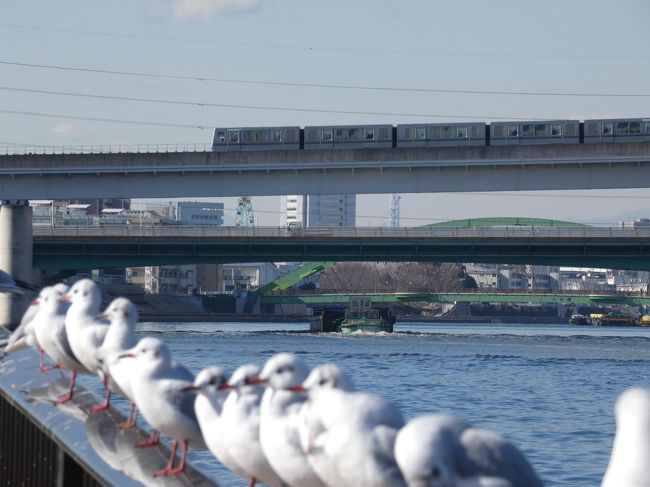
(554, 46)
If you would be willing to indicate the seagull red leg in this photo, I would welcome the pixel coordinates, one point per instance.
(107, 398)
(170, 463)
(181, 466)
(68, 396)
(153, 440)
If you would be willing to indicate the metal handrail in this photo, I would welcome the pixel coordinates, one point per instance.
(188, 231)
(102, 149)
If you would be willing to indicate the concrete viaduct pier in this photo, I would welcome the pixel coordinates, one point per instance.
(16, 255)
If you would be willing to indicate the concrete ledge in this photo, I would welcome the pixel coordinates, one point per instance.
(87, 446)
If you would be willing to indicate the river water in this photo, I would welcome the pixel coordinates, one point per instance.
(549, 389)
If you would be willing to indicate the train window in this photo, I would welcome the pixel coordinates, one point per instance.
(622, 128)
(528, 130)
(249, 136)
(261, 136)
(276, 135)
(513, 130)
(312, 135)
(591, 128)
(647, 127)
(635, 127)
(556, 129)
(385, 133)
(461, 133)
(608, 128)
(420, 133)
(341, 134)
(540, 130)
(326, 135)
(233, 137)
(473, 132)
(498, 130)
(408, 133)
(355, 134)
(570, 129)
(434, 132)
(369, 134)
(446, 132)
(290, 135)
(221, 136)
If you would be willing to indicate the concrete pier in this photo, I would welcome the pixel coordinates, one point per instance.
(16, 255)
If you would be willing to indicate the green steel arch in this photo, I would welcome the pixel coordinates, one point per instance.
(506, 222)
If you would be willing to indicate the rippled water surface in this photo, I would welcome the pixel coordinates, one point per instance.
(549, 389)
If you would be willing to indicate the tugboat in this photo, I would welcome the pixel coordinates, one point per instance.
(579, 320)
(360, 316)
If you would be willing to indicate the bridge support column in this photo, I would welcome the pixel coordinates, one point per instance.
(16, 256)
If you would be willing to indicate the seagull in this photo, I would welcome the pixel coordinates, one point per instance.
(24, 336)
(211, 388)
(240, 420)
(279, 420)
(628, 465)
(123, 316)
(349, 436)
(158, 391)
(85, 333)
(8, 284)
(440, 450)
(49, 329)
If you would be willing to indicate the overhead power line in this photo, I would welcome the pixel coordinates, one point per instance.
(327, 85)
(102, 119)
(315, 48)
(244, 107)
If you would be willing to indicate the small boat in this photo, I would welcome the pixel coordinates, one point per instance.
(360, 316)
(579, 320)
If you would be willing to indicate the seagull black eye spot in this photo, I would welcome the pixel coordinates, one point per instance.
(322, 382)
(289, 368)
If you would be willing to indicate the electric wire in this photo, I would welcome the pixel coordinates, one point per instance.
(325, 85)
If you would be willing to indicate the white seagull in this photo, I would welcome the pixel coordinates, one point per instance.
(158, 387)
(279, 420)
(240, 420)
(439, 450)
(23, 336)
(630, 461)
(49, 329)
(123, 317)
(85, 332)
(211, 388)
(349, 436)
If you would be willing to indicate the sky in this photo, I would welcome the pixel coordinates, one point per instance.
(168, 71)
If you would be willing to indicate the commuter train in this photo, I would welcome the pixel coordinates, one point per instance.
(431, 135)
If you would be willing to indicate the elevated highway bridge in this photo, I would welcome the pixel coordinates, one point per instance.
(66, 247)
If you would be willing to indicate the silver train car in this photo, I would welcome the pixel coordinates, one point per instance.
(348, 137)
(440, 134)
(256, 138)
(616, 130)
(529, 133)
(432, 135)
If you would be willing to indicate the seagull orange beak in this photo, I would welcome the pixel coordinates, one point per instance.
(34, 302)
(297, 388)
(64, 299)
(255, 381)
(126, 355)
(191, 388)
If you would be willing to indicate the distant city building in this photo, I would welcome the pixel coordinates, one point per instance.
(331, 210)
(199, 213)
(240, 278)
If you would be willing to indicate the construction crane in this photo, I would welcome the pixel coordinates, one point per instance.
(245, 215)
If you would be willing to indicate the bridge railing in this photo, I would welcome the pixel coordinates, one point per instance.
(133, 230)
(102, 149)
